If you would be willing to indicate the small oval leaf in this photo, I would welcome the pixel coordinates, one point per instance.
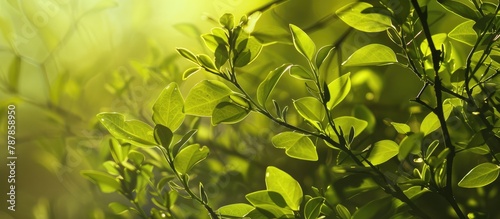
(372, 54)
(481, 175)
(303, 42)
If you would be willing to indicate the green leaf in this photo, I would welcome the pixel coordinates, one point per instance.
(190, 156)
(266, 197)
(323, 53)
(460, 8)
(187, 54)
(364, 113)
(312, 208)
(177, 146)
(203, 193)
(381, 208)
(168, 108)
(107, 183)
(401, 128)
(266, 87)
(282, 183)
(228, 113)
(163, 135)
(481, 175)
(431, 121)
(346, 123)
(235, 210)
(248, 50)
(136, 157)
(204, 97)
(296, 145)
(206, 62)
(133, 131)
(213, 41)
(370, 55)
(118, 208)
(339, 88)
(116, 151)
(299, 72)
(227, 21)
(269, 211)
(189, 72)
(382, 151)
(221, 56)
(410, 144)
(343, 212)
(355, 15)
(303, 42)
(464, 33)
(310, 108)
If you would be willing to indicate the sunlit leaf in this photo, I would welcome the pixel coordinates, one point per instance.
(106, 183)
(282, 183)
(206, 62)
(343, 212)
(248, 50)
(296, 145)
(310, 108)
(431, 121)
(346, 123)
(312, 208)
(168, 108)
(266, 87)
(189, 72)
(322, 54)
(481, 175)
(382, 151)
(339, 88)
(370, 55)
(303, 42)
(464, 33)
(227, 21)
(235, 210)
(189, 156)
(133, 131)
(401, 128)
(355, 16)
(299, 72)
(213, 42)
(266, 197)
(228, 113)
(461, 8)
(204, 97)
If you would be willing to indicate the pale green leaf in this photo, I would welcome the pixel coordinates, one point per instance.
(266, 197)
(355, 15)
(310, 108)
(401, 128)
(431, 121)
(204, 97)
(312, 208)
(282, 183)
(118, 208)
(370, 55)
(481, 175)
(339, 88)
(107, 183)
(168, 108)
(322, 54)
(382, 151)
(303, 42)
(464, 33)
(213, 41)
(346, 123)
(187, 54)
(235, 210)
(228, 113)
(189, 156)
(227, 21)
(299, 72)
(133, 131)
(266, 87)
(296, 145)
(189, 72)
(343, 212)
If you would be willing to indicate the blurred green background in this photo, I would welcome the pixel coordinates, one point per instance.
(64, 61)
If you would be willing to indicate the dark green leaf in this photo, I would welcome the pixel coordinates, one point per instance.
(203, 194)
(248, 50)
(266, 87)
(313, 207)
(370, 55)
(282, 183)
(266, 197)
(303, 42)
(410, 144)
(460, 8)
(204, 97)
(133, 131)
(228, 113)
(14, 73)
(296, 145)
(381, 208)
(364, 113)
(221, 56)
(354, 16)
(481, 175)
(190, 156)
(168, 108)
(339, 88)
(177, 146)
(163, 135)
